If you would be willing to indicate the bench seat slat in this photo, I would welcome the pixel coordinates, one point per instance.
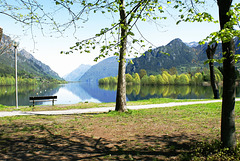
(41, 100)
(43, 97)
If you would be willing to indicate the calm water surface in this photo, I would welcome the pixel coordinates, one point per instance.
(81, 92)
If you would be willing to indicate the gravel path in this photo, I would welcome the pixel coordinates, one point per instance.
(103, 109)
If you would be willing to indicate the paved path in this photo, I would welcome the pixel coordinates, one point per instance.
(103, 109)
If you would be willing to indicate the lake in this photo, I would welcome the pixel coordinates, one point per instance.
(72, 93)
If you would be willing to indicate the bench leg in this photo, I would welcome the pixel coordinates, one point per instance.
(33, 103)
(53, 102)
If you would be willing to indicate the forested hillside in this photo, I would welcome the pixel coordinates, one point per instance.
(28, 66)
(175, 54)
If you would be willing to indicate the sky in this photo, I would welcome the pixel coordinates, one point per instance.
(47, 49)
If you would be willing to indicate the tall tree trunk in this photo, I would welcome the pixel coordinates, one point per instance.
(121, 86)
(210, 53)
(228, 135)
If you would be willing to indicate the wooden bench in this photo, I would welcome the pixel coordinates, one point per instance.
(42, 99)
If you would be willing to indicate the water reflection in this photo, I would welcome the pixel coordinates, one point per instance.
(138, 92)
(100, 94)
(7, 93)
(90, 92)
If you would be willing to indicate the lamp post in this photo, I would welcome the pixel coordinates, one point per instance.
(15, 45)
(1, 33)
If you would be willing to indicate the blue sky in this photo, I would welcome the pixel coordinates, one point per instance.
(47, 49)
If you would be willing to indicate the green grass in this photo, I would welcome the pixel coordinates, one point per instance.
(198, 110)
(198, 122)
(211, 151)
(163, 100)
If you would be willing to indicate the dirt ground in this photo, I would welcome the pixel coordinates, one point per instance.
(93, 137)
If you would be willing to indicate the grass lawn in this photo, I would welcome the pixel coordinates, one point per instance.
(172, 133)
(82, 105)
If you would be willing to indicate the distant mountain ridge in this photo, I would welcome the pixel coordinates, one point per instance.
(106, 68)
(28, 66)
(28, 63)
(180, 55)
(154, 61)
(192, 44)
(76, 74)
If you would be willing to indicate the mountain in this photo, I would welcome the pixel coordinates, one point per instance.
(28, 63)
(179, 54)
(201, 50)
(28, 66)
(192, 44)
(76, 74)
(106, 68)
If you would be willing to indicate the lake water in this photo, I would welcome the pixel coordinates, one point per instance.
(90, 92)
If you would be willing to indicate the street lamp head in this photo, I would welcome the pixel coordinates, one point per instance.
(15, 44)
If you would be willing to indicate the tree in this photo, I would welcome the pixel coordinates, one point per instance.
(119, 32)
(210, 53)
(129, 78)
(145, 80)
(182, 79)
(160, 80)
(136, 78)
(198, 78)
(152, 80)
(121, 86)
(173, 71)
(142, 73)
(229, 16)
(228, 135)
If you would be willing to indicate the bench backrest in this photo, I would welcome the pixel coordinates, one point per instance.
(42, 97)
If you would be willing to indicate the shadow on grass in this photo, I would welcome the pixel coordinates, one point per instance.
(39, 143)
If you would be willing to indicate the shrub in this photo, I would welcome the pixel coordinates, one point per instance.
(171, 79)
(217, 78)
(206, 75)
(165, 77)
(152, 80)
(101, 81)
(182, 79)
(112, 80)
(142, 73)
(159, 79)
(136, 79)
(168, 79)
(198, 78)
(129, 78)
(104, 80)
(144, 80)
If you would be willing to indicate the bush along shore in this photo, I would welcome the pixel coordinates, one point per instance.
(165, 78)
(10, 80)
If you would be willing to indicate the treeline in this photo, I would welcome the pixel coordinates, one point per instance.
(7, 81)
(10, 80)
(165, 78)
